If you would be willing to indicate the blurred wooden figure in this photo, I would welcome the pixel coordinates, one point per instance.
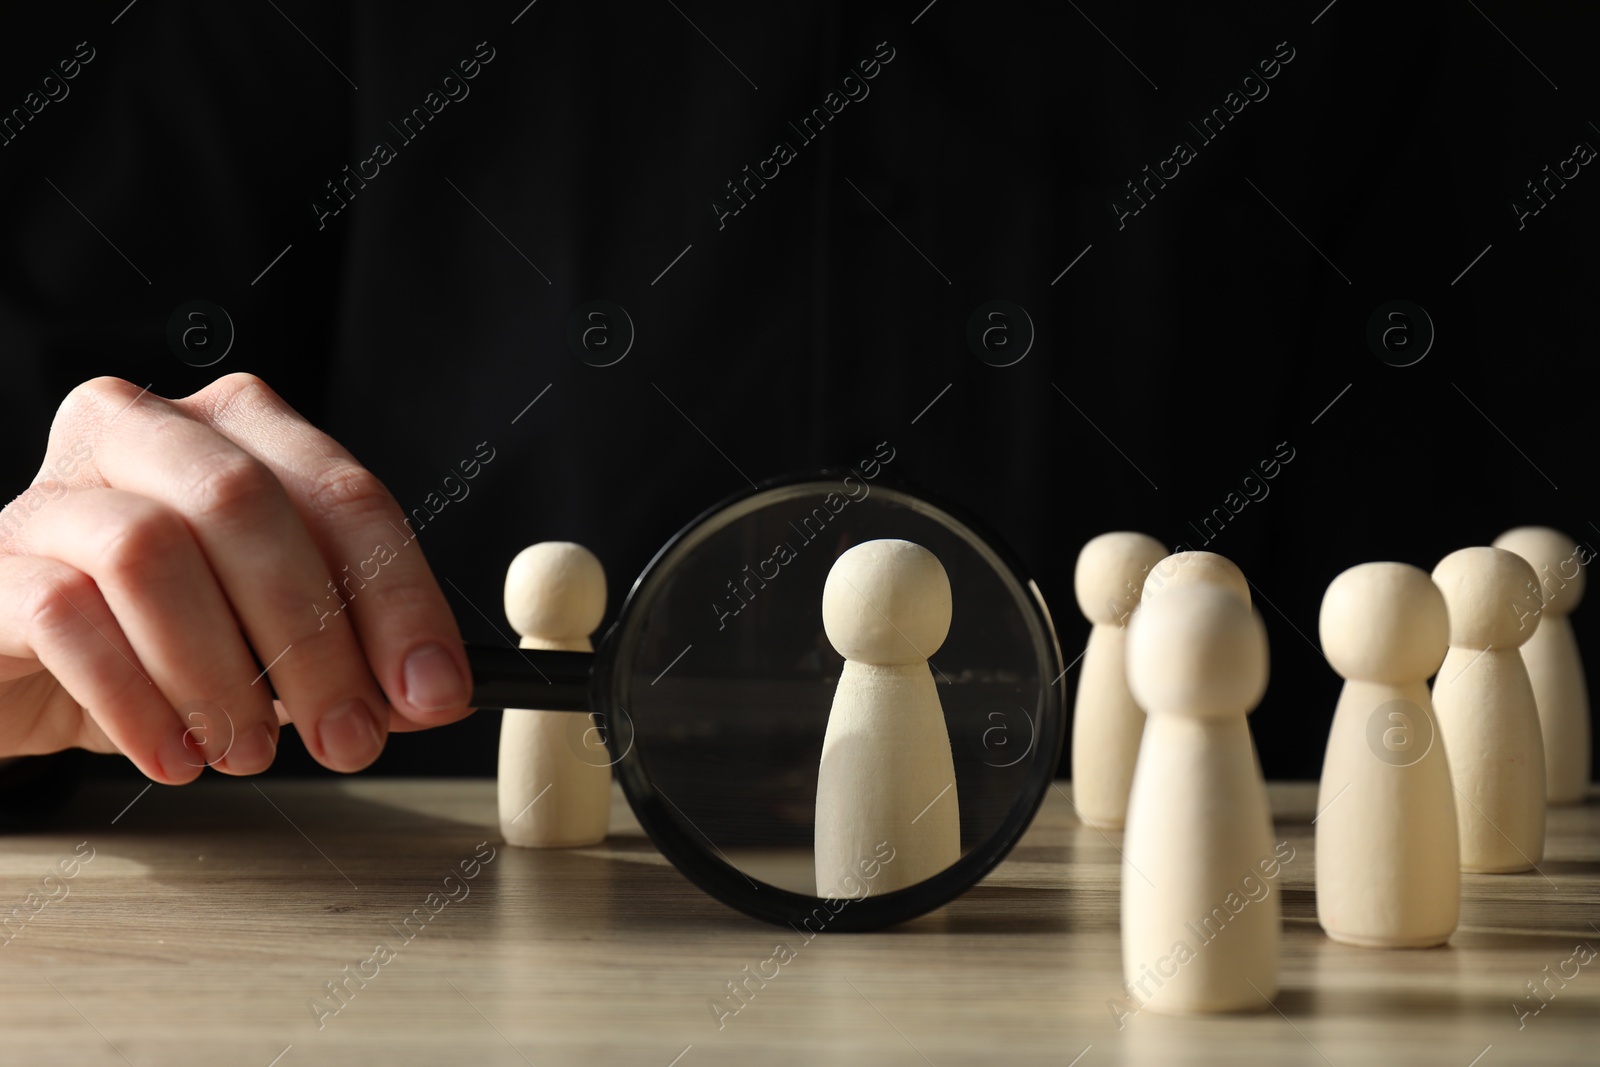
(1186, 568)
(1106, 723)
(1198, 822)
(1551, 656)
(1484, 704)
(1200, 568)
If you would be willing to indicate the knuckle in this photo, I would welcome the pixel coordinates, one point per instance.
(323, 652)
(231, 488)
(142, 543)
(93, 397)
(403, 600)
(57, 606)
(319, 636)
(349, 488)
(237, 395)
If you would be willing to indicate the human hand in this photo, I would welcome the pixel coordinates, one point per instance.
(165, 540)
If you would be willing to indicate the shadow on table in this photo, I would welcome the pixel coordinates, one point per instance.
(1413, 1002)
(337, 862)
(1569, 866)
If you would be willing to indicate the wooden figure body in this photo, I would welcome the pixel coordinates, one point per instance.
(1199, 832)
(1485, 708)
(1388, 854)
(555, 774)
(887, 775)
(1106, 723)
(1551, 655)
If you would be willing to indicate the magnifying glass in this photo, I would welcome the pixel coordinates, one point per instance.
(714, 686)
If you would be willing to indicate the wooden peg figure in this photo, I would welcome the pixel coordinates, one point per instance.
(1184, 568)
(1551, 656)
(887, 775)
(1106, 723)
(555, 774)
(1199, 832)
(1487, 717)
(1199, 568)
(1388, 856)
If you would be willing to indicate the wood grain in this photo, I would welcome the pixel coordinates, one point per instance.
(210, 917)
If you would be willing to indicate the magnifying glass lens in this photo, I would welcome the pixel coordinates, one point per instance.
(722, 680)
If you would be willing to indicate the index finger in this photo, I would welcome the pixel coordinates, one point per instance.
(381, 579)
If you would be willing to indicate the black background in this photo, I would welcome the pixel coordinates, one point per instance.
(1176, 353)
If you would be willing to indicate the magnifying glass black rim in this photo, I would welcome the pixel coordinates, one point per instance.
(773, 904)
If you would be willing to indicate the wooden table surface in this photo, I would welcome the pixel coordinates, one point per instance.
(210, 917)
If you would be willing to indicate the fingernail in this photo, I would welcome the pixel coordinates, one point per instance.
(432, 681)
(348, 735)
(252, 751)
(178, 756)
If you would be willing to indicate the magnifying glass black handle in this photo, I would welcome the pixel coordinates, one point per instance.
(504, 677)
